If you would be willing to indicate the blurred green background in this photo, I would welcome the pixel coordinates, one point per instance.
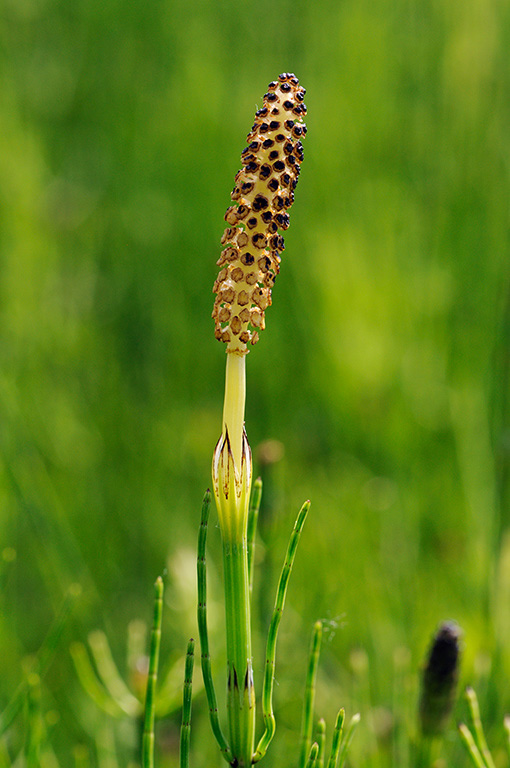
(384, 370)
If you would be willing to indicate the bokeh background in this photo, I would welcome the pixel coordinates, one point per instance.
(383, 374)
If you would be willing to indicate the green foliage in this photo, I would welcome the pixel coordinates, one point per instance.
(384, 371)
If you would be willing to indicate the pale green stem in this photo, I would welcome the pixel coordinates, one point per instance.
(233, 407)
(471, 747)
(474, 709)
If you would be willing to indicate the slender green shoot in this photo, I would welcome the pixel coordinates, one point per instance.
(469, 742)
(148, 726)
(474, 710)
(267, 688)
(348, 739)
(45, 657)
(308, 706)
(337, 738)
(204, 634)
(321, 741)
(313, 755)
(253, 516)
(186, 706)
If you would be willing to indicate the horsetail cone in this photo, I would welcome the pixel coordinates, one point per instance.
(263, 192)
(250, 261)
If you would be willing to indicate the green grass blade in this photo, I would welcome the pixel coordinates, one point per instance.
(186, 706)
(471, 747)
(203, 631)
(348, 740)
(148, 726)
(308, 704)
(253, 516)
(337, 738)
(267, 689)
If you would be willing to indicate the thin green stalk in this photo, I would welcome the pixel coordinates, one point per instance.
(479, 735)
(337, 738)
(267, 690)
(240, 687)
(203, 631)
(321, 741)
(308, 705)
(148, 727)
(348, 739)
(253, 516)
(311, 761)
(471, 747)
(186, 706)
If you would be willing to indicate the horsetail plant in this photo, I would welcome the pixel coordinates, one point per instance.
(250, 262)
(263, 191)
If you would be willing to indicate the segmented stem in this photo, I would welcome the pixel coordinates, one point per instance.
(312, 756)
(148, 726)
(348, 739)
(474, 710)
(321, 741)
(186, 706)
(337, 738)
(267, 690)
(471, 747)
(308, 706)
(253, 516)
(204, 634)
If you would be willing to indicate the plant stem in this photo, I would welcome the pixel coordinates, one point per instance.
(148, 729)
(240, 688)
(233, 406)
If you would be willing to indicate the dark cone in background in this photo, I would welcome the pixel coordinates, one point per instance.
(439, 680)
